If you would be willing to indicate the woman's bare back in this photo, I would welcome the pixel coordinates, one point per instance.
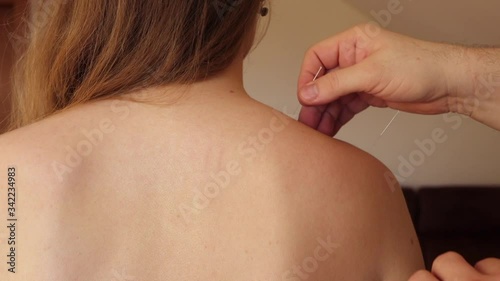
(216, 188)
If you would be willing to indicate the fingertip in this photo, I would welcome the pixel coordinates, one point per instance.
(309, 93)
(327, 124)
(448, 258)
(312, 115)
(451, 265)
(309, 116)
(489, 266)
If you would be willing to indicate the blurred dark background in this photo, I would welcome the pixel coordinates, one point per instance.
(461, 219)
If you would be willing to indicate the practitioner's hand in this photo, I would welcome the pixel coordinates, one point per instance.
(452, 267)
(384, 70)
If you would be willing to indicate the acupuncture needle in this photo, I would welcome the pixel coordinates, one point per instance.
(314, 79)
(390, 122)
(317, 74)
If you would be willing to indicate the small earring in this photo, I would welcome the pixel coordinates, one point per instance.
(264, 11)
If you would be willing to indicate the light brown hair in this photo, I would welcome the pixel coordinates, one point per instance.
(83, 50)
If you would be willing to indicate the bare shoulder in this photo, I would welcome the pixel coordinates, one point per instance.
(25, 180)
(324, 163)
(345, 193)
(23, 148)
(37, 150)
(39, 155)
(321, 157)
(53, 148)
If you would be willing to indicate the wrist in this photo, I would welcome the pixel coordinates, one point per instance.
(459, 76)
(479, 92)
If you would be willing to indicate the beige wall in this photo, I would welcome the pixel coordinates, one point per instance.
(471, 152)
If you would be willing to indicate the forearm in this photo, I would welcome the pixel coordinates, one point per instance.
(475, 87)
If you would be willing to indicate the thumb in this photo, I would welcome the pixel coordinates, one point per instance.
(337, 83)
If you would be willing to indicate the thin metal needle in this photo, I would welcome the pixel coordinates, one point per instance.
(317, 74)
(392, 120)
(314, 79)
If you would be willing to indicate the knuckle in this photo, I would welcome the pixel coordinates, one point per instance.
(371, 72)
(360, 25)
(363, 25)
(355, 29)
(311, 51)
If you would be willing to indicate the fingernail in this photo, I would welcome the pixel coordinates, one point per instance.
(310, 92)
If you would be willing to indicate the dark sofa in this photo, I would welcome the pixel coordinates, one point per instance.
(461, 219)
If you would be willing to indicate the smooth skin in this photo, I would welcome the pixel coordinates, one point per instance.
(391, 70)
(297, 206)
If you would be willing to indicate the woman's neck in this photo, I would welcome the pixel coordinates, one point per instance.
(227, 83)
